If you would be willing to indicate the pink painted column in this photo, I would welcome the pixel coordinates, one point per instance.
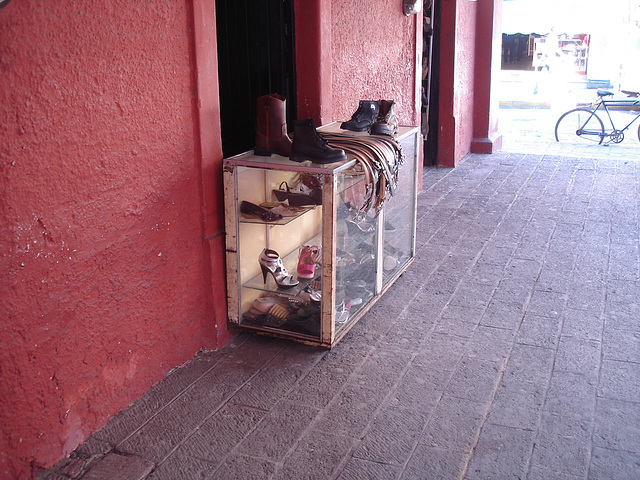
(486, 138)
(313, 59)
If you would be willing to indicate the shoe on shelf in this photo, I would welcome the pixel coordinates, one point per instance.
(251, 210)
(271, 126)
(309, 256)
(283, 209)
(271, 264)
(309, 145)
(355, 228)
(363, 117)
(386, 123)
(298, 196)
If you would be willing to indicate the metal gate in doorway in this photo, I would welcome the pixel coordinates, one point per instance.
(256, 56)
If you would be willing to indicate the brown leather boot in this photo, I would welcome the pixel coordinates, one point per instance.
(271, 128)
(387, 122)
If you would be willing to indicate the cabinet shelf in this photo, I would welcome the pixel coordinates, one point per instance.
(360, 258)
(282, 221)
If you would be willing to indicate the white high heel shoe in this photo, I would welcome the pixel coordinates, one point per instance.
(271, 263)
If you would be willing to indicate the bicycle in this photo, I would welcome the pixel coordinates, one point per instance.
(584, 124)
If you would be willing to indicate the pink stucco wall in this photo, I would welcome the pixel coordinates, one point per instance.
(111, 214)
(351, 50)
(106, 279)
(374, 56)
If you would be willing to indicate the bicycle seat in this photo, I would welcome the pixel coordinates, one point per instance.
(604, 93)
(629, 93)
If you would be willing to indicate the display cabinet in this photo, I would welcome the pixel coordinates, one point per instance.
(310, 268)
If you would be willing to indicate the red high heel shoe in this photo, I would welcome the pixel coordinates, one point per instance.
(309, 256)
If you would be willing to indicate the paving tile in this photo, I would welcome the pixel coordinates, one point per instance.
(503, 313)
(350, 411)
(472, 294)
(93, 447)
(582, 325)
(454, 423)
(269, 384)
(419, 389)
(409, 332)
(197, 403)
(539, 473)
(547, 304)
(571, 393)
(518, 403)
(349, 353)
(152, 442)
(607, 464)
(581, 297)
(319, 386)
(317, 455)
(240, 467)
(441, 346)
(619, 291)
(53, 476)
(114, 465)
(180, 467)
(529, 363)
(489, 343)
(278, 431)
(563, 445)
(458, 320)
(475, 379)
(70, 467)
(539, 331)
(623, 315)
(617, 425)
(578, 355)
(255, 350)
(358, 469)
(433, 462)
(622, 345)
(382, 369)
(501, 452)
(456, 326)
(392, 436)
(220, 434)
(619, 380)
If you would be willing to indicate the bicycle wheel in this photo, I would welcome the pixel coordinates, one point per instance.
(639, 132)
(579, 125)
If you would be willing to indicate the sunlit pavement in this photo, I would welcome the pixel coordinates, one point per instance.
(532, 102)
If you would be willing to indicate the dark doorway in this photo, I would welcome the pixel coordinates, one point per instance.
(255, 57)
(430, 82)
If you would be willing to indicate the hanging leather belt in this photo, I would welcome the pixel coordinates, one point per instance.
(380, 157)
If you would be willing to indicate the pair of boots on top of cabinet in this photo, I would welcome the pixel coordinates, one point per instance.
(272, 135)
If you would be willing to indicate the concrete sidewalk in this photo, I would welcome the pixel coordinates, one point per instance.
(509, 349)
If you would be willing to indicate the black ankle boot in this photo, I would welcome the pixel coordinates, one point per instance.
(309, 145)
(387, 122)
(363, 118)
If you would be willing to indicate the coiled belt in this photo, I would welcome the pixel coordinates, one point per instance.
(380, 157)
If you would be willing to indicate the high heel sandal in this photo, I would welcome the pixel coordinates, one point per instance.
(271, 263)
(309, 256)
(299, 196)
(251, 210)
(354, 227)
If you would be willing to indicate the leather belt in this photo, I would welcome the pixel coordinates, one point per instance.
(380, 157)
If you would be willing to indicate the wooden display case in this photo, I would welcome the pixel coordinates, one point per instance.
(360, 257)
